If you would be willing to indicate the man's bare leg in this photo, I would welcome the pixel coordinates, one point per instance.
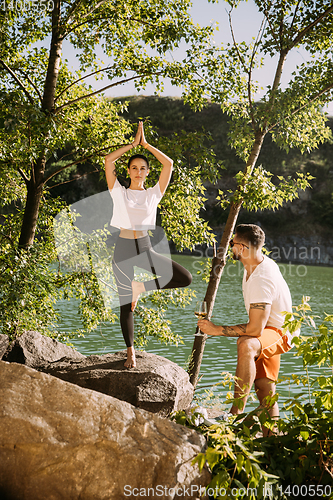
(265, 388)
(130, 361)
(248, 349)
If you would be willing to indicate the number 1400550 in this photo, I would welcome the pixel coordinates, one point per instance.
(307, 490)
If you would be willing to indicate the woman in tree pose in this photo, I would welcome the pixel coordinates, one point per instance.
(134, 212)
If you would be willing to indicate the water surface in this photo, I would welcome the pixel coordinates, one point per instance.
(220, 352)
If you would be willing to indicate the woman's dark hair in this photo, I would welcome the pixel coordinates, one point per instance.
(252, 234)
(143, 157)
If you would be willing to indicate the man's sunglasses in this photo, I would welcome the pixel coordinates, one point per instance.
(232, 243)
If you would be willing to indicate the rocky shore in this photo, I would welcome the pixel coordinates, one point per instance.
(65, 436)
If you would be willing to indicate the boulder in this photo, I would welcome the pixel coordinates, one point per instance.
(4, 343)
(60, 441)
(33, 349)
(156, 384)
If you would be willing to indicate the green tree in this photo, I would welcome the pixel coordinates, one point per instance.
(292, 116)
(44, 105)
(47, 110)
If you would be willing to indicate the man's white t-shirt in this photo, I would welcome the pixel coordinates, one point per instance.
(134, 209)
(266, 284)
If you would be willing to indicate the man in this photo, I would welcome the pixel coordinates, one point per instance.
(260, 341)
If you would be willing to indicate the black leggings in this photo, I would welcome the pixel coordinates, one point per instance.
(139, 252)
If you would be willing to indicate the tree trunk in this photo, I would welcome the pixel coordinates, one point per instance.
(218, 264)
(51, 79)
(34, 194)
(36, 182)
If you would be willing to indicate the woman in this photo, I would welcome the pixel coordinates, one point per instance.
(134, 212)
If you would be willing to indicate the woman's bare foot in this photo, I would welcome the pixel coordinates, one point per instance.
(137, 288)
(130, 361)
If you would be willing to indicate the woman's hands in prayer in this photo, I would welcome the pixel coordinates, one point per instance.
(137, 139)
(143, 141)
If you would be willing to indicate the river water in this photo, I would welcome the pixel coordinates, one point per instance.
(220, 352)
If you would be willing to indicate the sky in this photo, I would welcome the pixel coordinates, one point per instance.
(246, 23)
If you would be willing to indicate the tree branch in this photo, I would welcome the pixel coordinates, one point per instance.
(83, 23)
(235, 43)
(80, 79)
(310, 26)
(309, 101)
(101, 90)
(18, 81)
(256, 43)
(296, 9)
(276, 83)
(71, 11)
(140, 21)
(84, 16)
(79, 161)
(22, 174)
(72, 180)
(31, 83)
(271, 27)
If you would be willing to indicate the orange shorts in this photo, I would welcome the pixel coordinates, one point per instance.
(273, 344)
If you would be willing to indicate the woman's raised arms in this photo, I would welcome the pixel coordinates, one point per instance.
(167, 163)
(110, 168)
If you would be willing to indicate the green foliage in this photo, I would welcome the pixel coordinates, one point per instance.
(234, 457)
(302, 453)
(150, 315)
(28, 283)
(51, 121)
(298, 452)
(315, 349)
(258, 192)
(304, 129)
(225, 75)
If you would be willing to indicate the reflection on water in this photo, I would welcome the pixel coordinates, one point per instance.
(220, 352)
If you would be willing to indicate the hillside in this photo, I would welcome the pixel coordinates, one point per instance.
(314, 208)
(310, 215)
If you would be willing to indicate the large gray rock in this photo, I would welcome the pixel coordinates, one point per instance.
(59, 441)
(33, 349)
(156, 384)
(4, 343)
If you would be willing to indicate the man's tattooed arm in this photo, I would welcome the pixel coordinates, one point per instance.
(248, 329)
(258, 316)
(259, 305)
(234, 331)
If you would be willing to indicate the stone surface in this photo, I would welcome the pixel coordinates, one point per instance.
(62, 442)
(4, 343)
(33, 349)
(156, 384)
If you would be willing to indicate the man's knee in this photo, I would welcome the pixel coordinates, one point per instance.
(248, 346)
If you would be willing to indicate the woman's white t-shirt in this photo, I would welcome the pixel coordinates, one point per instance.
(134, 209)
